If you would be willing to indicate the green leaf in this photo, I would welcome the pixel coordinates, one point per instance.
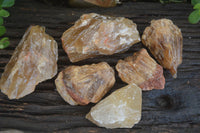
(194, 2)
(8, 3)
(4, 42)
(197, 6)
(2, 30)
(194, 17)
(1, 20)
(4, 13)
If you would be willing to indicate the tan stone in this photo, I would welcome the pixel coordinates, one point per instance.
(33, 61)
(142, 70)
(84, 84)
(95, 34)
(165, 41)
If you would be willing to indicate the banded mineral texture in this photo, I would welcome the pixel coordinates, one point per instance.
(84, 84)
(33, 61)
(142, 70)
(95, 34)
(165, 41)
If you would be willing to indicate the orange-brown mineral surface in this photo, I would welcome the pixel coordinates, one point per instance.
(84, 84)
(95, 34)
(142, 70)
(33, 61)
(165, 41)
(104, 3)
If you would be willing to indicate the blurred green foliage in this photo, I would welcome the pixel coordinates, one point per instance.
(194, 17)
(4, 42)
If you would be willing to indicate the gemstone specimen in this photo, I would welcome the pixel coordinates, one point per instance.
(165, 41)
(102, 3)
(95, 34)
(33, 61)
(142, 70)
(121, 109)
(84, 84)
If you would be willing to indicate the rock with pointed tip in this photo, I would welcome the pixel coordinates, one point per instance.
(33, 61)
(95, 34)
(165, 41)
(84, 84)
(142, 70)
(121, 109)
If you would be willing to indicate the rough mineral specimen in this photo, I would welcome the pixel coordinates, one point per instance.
(84, 84)
(165, 41)
(142, 70)
(95, 34)
(121, 109)
(104, 3)
(33, 61)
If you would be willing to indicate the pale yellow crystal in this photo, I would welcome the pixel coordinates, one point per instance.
(121, 109)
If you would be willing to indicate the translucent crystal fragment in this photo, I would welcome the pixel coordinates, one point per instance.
(165, 41)
(104, 3)
(121, 109)
(95, 34)
(142, 70)
(33, 61)
(84, 84)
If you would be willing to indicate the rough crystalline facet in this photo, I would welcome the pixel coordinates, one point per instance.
(165, 41)
(95, 34)
(121, 109)
(33, 61)
(85, 84)
(142, 70)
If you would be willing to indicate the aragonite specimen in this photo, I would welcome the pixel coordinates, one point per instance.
(33, 61)
(121, 109)
(104, 3)
(84, 84)
(165, 41)
(142, 70)
(95, 34)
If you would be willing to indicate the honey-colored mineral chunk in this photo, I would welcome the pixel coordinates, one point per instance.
(165, 41)
(142, 70)
(121, 109)
(104, 3)
(33, 61)
(84, 84)
(95, 34)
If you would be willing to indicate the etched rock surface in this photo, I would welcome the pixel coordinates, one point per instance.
(142, 70)
(121, 109)
(95, 34)
(165, 41)
(84, 84)
(33, 61)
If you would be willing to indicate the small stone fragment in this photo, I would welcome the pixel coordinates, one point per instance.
(104, 3)
(95, 34)
(84, 84)
(142, 70)
(165, 41)
(121, 109)
(33, 61)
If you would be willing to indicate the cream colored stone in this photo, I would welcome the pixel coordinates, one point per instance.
(121, 109)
